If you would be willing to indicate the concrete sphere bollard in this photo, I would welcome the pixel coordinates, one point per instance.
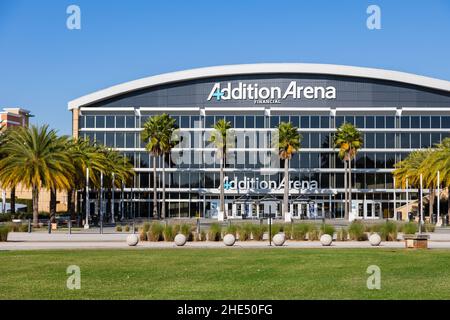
(279, 239)
(229, 240)
(375, 239)
(180, 240)
(132, 240)
(326, 240)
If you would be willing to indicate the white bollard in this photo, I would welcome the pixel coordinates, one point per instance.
(326, 240)
(229, 240)
(132, 240)
(279, 239)
(375, 239)
(180, 240)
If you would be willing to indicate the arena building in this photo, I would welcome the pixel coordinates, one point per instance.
(397, 113)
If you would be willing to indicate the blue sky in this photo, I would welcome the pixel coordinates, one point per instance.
(43, 65)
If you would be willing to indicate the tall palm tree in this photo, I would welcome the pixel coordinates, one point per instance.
(288, 143)
(221, 137)
(349, 140)
(32, 162)
(157, 134)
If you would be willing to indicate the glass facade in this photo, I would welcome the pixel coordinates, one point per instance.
(387, 140)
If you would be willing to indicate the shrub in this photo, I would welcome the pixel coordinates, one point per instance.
(231, 229)
(388, 231)
(119, 228)
(245, 232)
(258, 231)
(155, 232)
(215, 232)
(300, 231)
(342, 235)
(168, 233)
(202, 236)
(4, 230)
(186, 230)
(327, 229)
(146, 227)
(288, 231)
(356, 231)
(276, 228)
(313, 233)
(409, 228)
(23, 228)
(428, 227)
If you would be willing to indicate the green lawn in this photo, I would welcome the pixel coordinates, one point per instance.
(226, 274)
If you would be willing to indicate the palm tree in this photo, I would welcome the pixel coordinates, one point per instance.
(157, 134)
(349, 140)
(221, 137)
(32, 161)
(288, 143)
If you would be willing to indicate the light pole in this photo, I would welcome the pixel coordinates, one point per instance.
(113, 189)
(438, 216)
(86, 222)
(421, 206)
(101, 202)
(270, 225)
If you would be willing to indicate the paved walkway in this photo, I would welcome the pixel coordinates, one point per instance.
(201, 245)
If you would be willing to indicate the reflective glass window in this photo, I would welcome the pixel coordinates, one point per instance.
(120, 122)
(415, 122)
(390, 122)
(380, 122)
(110, 122)
(130, 121)
(259, 122)
(359, 122)
(249, 122)
(304, 122)
(370, 122)
(405, 122)
(90, 121)
(325, 122)
(425, 122)
(435, 122)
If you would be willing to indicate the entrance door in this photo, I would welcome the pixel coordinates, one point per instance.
(372, 210)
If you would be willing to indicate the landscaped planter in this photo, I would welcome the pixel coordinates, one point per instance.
(416, 241)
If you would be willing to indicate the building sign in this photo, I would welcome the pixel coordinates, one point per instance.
(270, 95)
(256, 184)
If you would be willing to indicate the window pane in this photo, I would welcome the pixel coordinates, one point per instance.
(119, 140)
(304, 122)
(360, 122)
(184, 122)
(435, 122)
(109, 139)
(405, 122)
(350, 119)
(415, 140)
(380, 140)
(404, 137)
(425, 122)
(130, 122)
(274, 120)
(120, 122)
(415, 122)
(250, 122)
(325, 122)
(195, 122)
(315, 137)
(100, 121)
(315, 122)
(110, 121)
(425, 140)
(259, 121)
(129, 140)
(370, 122)
(390, 122)
(90, 122)
(80, 122)
(445, 122)
(295, 121)
(369, 140)
(380, 122)
(390, 140)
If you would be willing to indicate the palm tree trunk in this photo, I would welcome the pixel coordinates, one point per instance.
(431, 204)
(349, 185)
(35, 197)
(345, 189)
(222, 189)
(13, 200)
(163, 208)
(286, 188)
(155, 195)
(52, 205)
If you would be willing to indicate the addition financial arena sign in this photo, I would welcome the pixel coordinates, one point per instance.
(270, 95)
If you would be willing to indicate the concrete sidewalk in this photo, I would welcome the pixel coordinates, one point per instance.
(73, 245)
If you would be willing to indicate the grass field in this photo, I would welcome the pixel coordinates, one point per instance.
(226, 274)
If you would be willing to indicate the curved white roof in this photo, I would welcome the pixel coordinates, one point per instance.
(261, 68)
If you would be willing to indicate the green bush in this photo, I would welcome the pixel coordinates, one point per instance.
(127, 228)
(231, 229)
(276, 228)
(428, 227)
(155, 233)
(287, 229)
(168, 233)
(5, 217)
(327, 229)
(215, 232)
(186, 230)
(258, 231)
(313, 233)
(119, 228)
(23, 228)
(244, 232)
(410, 228)
(146, 227)
(356, 231)
(4, 230)
(388, 231)
(300, 231)
(342, 234)
(202, 235)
